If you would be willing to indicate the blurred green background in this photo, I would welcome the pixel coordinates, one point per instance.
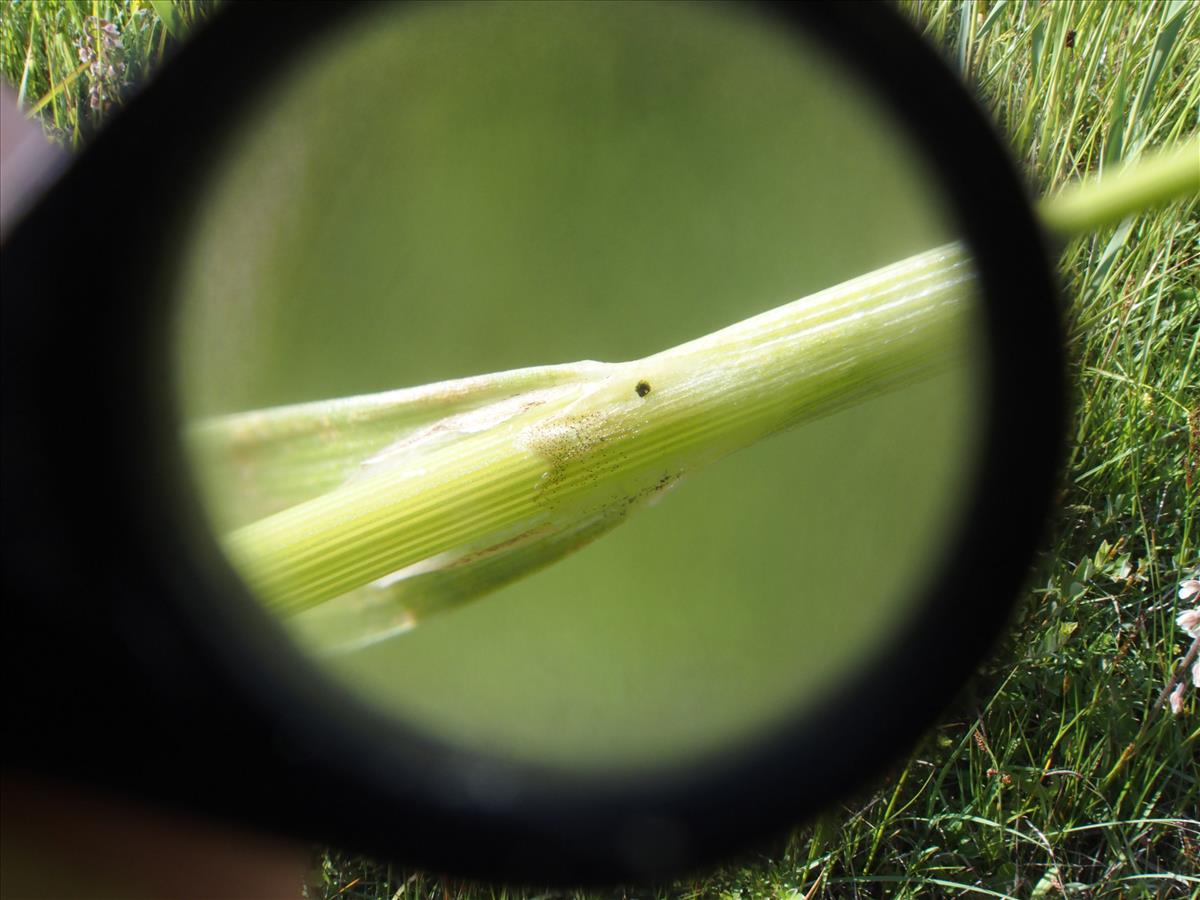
(448, 191)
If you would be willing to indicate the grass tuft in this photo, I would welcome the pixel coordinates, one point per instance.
(71, 61)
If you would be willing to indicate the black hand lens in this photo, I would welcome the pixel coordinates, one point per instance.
(724, 627)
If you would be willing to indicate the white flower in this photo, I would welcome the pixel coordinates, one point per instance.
(1189, 621)
(1189, 588)
(1196, 674)
(1177, 699)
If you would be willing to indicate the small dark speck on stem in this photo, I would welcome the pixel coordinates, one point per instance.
(643, 388)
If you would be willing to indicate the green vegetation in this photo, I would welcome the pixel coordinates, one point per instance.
(71, 60)
(1056, 771)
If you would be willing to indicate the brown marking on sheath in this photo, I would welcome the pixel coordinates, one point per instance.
(569, 439)
(570, 445)
(511, 543)
(643, 388)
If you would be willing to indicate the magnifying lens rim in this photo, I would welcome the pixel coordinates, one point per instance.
(257, 735)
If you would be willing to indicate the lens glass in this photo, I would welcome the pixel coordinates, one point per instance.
(447, 191)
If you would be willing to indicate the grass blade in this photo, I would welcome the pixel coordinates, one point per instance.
(169, 15)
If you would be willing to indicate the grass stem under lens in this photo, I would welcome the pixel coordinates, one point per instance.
(546, 461)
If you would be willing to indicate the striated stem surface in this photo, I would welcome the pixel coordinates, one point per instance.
(589, 447)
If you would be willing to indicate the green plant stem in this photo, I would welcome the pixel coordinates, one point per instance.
(1094, 202)
(597, 446)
